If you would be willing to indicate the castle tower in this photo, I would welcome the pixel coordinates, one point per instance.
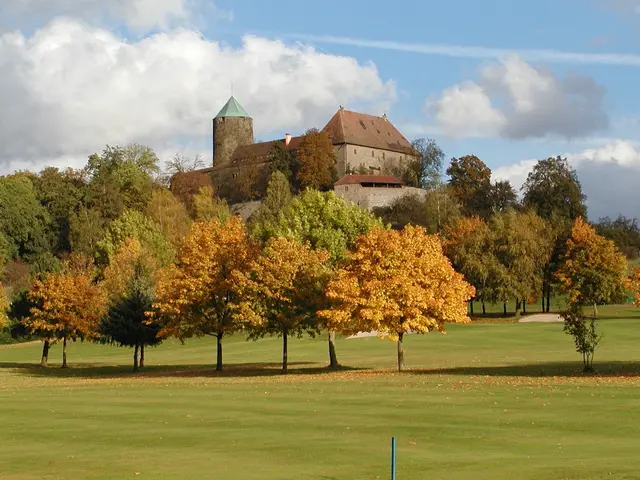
(232, 128)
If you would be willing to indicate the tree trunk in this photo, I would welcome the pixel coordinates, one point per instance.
(400, 353)
(45, 353)
(484, 308)
(524, 305)
(471, 307)
(141, 355)
(504, 308)
(333, 358)
(219, 352)
(135, 358)
(518, 306)
(595, 310)
(284, 351)
(64, 352)
(543, 299)
(548, 298)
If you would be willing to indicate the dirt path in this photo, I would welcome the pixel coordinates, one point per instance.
(542, 317)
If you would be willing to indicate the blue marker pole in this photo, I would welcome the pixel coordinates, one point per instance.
(393, 458)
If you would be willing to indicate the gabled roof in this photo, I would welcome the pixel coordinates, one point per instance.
(232, 109)
(367, 131)
(349, 179)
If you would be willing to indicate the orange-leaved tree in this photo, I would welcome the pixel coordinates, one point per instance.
(593, 270)
(317, 161)
(397, 282)
(68, 305)
(197, 296)
(633, 283)
(283, 291)
(467, 244)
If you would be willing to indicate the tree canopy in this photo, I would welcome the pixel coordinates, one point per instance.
(593, 271)
(552, 188)
(397, 282)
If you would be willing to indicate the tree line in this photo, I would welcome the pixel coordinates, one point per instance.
(109, 253)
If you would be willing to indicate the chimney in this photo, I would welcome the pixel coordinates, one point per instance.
(384, 116)
(287, 139)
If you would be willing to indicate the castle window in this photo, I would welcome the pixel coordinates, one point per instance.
(346, 189)
(373, 154)
(383, 155)
(355, 150)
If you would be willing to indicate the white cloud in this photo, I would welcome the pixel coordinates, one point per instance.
(608, 175)
(475, 51)
(516, 100)
(139, 15)
(70, 88)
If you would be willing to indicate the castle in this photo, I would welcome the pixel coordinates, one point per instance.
(365, 143)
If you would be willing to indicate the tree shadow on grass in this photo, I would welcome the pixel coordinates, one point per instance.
(535, 370)
(101, 371)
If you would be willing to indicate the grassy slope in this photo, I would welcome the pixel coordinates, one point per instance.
(488, 401)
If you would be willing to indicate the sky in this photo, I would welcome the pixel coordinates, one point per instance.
(511, 82)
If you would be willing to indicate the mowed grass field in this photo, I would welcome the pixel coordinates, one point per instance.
(485, 401)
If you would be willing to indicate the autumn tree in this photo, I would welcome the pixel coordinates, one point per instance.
(398, 282)
(283, 290)
(197, 296)
(169, 214)
(184, 185)
(470, 181)
(206, 206)
(327, 223)
(317, 161)
(130, 284)
(593, 270)
(68, 305)
(468, 244)
(4, 307)
(521, 245)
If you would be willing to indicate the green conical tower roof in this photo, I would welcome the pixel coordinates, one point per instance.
(232, 109)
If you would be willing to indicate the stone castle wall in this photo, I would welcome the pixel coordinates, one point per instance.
(369, 198)
(351, 157)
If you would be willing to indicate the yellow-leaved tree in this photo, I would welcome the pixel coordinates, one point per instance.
(397, 282)
(593, 270)
(197, 296)
(68, 305)
(4, 307)
(283, 291)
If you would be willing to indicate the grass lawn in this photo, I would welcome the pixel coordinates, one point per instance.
(486, 401)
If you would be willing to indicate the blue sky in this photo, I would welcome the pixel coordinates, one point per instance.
(566, 25)
(508, 81)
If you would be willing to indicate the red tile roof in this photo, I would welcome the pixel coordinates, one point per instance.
(360, 179)
(367, 131)
(262, 150)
